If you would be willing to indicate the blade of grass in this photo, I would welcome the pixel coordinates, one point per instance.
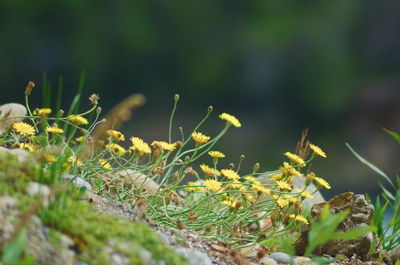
(370, 165)
(396, 136)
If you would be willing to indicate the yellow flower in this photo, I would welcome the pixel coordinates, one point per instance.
(322, 182)
(104, 163)
(115, 135)
(164, 145)
(77, 119)
(235, 186)
(80, 138)
(116, 149)
(317, 150)
(139, 145)
(261, 189)
(196, 188)
(23, 128)
(248, 197)
(299, 218)
(230, 119)
(49, 158)
(290, 170)
(233, 203)
(54, 129)
(290, 198)
(41, 112)
(295, 159)
(28, 146)
(230, 174)
(73, 160)
(283, 185)
(216, 154)
(282, 202)
(200, 138)
(212, 185)
(209, 171)
(276, 177)
(305, 194)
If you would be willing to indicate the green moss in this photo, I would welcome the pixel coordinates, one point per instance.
(78, 219)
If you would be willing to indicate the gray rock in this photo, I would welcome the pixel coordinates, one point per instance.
(8, 216)
(9, 113)
(281, 257)
(195, 257)
(37, 189)
(361, 213)
(268, 261)
(21, 155)
(163, 238)
(77, 181)
(394, 254)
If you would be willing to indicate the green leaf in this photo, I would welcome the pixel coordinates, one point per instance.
(354, 233)
(387, 193)
(324, 230)
(370, 165)
(396, 136)
(12, 251)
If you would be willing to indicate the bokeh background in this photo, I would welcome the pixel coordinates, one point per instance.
(279, 66)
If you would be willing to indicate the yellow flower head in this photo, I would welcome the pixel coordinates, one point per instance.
(252, 179)
(23, 128)
(317, 150)
(212, 185)
(299, 218)
(54, 129)
(140, 146)
(116, 149)
(230, 119)
(323, 183)
(295, 159)
(230, 174)
(195, 188)
(78, 120)
(115, 135)
(282, 202)
(200, 138)
(216, 154)
(72, 160)
(235, 186)
(276, 177)
(104, 163)
(290, 170)
(41, 112)
(290, 198)
(283, 185)
(49, 158)
(28, 146)
(209, 171)
(261, 189)
(305, 194)
(164, 145)
(231, 202)
(80, 138)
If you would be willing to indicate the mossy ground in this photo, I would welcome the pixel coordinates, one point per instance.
(76, 218)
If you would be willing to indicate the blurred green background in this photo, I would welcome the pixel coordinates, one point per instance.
(279, 66)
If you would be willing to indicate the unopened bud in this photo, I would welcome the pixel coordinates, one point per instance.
(232, 165)
(29, 87)
(98, 110)
(256, 167)
(210, 109)
(60, 113)
(176, 97)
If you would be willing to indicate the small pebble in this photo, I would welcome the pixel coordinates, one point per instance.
(268, 261)
(77, 181)
(281, 257)
(195, 257)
